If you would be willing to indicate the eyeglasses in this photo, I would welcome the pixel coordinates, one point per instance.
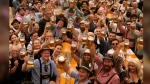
(114, 43)
(45, 68)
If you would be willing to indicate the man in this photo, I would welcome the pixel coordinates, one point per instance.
(135, 7)
(127, 33)
(91, 23)
(37, 16)
(116, 50)
(134, 19)
(81, 77)
(15, 24)
(16, 4)
(44, 69)
(106, 73)
(42, 22)
(71, 17)
(111, 36)
(18, 67)
(77, 22)
(20, 15)
(101, 45)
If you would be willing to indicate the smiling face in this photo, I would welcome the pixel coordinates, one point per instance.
(132, 67)
(83, 74)
(58, 49)
(107, 65)
(60, 23)
(45, 54)
(14, 38)
(87, 57)
(36, 27)
(37, 44)
(15, 52)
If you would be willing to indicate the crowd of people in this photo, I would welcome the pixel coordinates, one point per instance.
(100, 34)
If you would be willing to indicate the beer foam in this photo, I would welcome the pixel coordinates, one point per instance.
(90, 38)
(61, 58)
(30, 62)
(126, 43)
(73, 45)
(21, 39)
(22, 53)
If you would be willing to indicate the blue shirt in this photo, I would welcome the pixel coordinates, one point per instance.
(36, 71)
(74, 74)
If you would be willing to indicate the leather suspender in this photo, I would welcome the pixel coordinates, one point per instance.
(41, 71)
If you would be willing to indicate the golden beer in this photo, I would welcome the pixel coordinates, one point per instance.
(86, 26)
(43, 8)
(63, 33)
(128, 3)
(84, 40)
(132, 26)
(61, 61)
(115, 19)
(22, 55)
(141, 17)
(52, 44)
(30, 64)
(22, 41)
(47, 28)
(69, 29)
(122, 12)
(90, 42)
(25, 25)
(140, 42)
(53, 22)
(126, 46)
(108, 6)
(32, 19)
(115, 6)
(72, 3)
(73, 47)
(103, 34)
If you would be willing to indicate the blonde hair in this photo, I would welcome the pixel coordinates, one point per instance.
(139, 69)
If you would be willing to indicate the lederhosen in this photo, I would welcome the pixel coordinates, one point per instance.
(46, 76)
(107, 80)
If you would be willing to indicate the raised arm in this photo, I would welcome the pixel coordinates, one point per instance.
(122, 30)
(78, 11)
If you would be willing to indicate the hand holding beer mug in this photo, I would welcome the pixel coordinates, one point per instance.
(63, 31)
(32, 19)
(126, 44)
(57, 39)
(132, 26)
(140, 41)
(61, 60)
(30, 62)
(53, 20)
(87, 25)
(84, 39)
(73, 46)
(25, 23)
(22, 53)
(90, 42)
(47, 26)
(52, 43)
(69, 27)
(22, 39)
(115, 6)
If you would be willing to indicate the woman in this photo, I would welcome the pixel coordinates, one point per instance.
(36, 48)
(135, 73)
(15, 41)
(35, 27)
(86, 58)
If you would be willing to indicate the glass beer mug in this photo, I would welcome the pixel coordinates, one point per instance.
(132, 26)
(52, 43)
(126, 44)
(90, 42)
(53, 20)
(69, 26)
(22, 53)
(87, 25)
(141, 16)
(25, 23)
(115, 6)
(103, 33)
(30, 62)
(56, 39)
(47, 26)
(73, 46)
(84, 39)
(22, 39)
(61, 60)
(43, 7)
(115, 18)
(32, 19)
(140, 43)
(63, 31)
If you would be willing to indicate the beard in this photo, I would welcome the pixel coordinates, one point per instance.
(106, 68)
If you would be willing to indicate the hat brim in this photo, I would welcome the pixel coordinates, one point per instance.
(83, 67)
(39, 53)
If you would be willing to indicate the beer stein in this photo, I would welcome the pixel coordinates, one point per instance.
(126, 44)
(140, 42)
(25, 23)
(32, 19)
(87, 25)
(47, 26)
(103, 33)
(22, 39)
(115, 18)
(30, 62)
(57, 39)
(115, 6)
(61, 60)
(141, 16)
(73, 46)
(43, 7)
(52, 43)
(63, 31)
(90, 42)
(22, 53)
(69, 26)
(84, 39)
(53, 20)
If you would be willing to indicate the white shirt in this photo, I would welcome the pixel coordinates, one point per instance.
(121, 53)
